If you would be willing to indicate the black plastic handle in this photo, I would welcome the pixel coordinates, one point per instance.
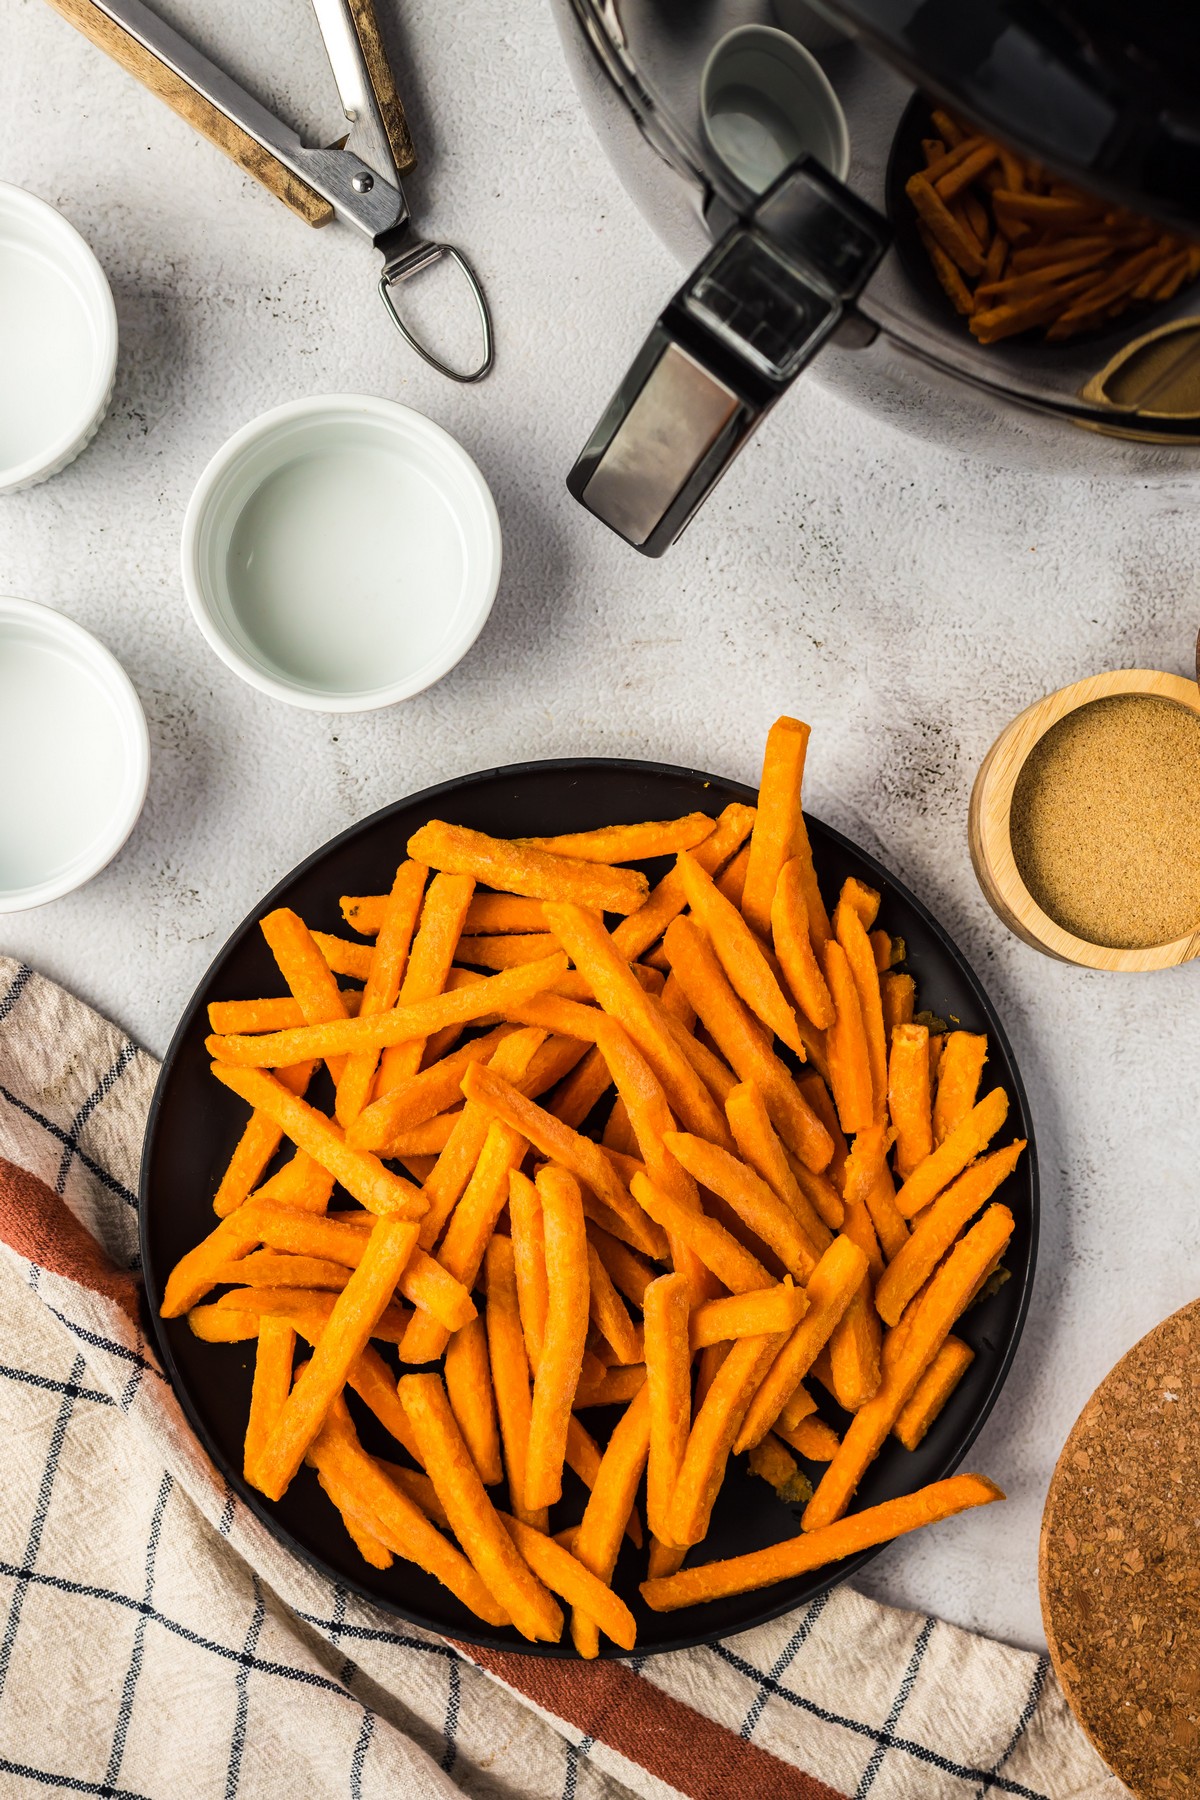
(727, 345)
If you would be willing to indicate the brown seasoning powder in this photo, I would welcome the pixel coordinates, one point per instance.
(1105, 821)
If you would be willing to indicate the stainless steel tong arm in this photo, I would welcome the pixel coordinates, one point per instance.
(364, 192)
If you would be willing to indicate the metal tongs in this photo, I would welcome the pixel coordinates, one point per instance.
(357, 178)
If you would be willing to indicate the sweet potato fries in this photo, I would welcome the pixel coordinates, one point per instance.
(695, 1162)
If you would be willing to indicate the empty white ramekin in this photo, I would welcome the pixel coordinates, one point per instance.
(74, 751)
(58, 329)
(341, 553)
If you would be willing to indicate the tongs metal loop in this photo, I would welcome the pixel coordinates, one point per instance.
(422, 255)
(357, 178)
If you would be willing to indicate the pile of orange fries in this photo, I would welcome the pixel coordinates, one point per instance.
(791, 1180)
(1016, 249)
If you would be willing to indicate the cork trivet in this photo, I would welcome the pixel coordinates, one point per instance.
(1120, 1564)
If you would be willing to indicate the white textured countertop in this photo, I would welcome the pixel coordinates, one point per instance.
(904, 600)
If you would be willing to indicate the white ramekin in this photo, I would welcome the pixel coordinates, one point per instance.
(75, 754)
(58, 326)
(341, 553)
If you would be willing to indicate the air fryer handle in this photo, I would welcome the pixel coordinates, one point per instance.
(728, 344)
(667, 436)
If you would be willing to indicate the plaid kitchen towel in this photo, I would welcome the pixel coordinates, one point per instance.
(155, 1641)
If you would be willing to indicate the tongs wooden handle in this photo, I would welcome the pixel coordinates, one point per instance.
(383, 82)
(132, 37)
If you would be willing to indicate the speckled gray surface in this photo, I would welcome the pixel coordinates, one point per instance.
(906, 600)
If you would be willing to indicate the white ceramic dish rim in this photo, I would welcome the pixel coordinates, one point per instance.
(81, 266)
(56, 628)
(259, 431)
(783, 45)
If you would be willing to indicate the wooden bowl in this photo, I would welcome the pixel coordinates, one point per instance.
(989, 824)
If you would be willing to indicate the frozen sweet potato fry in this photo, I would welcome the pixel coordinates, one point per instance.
(504, 951)
(732, 880)
(890, 1228)
(711, 1438)
(498, 913)
(932, 1392)
(846, 1042)
(475, 1522)
(609, 1506)
(669, 1384)
(300, 1184)
(197, 1271)
(635, 934)
(360, 1173)
(759, 1208)
(256, 1146)
(713, 1071)
(794, 948)
(628, 843)
(855, 1351)
(537, 874)
(938, 1227)
(959, 1073)
(583, 1089)
(614, 1388)
(962, 250)
(773, 841)
(469, 1387)
(898, 995)
(744, 1045)
(398, 1520)
(567, 1255)
(307, 1304)
(946, 270)
(272, 1385)
(585, 1160)
(306, 972)
(354, 1314)
(342, 1037)
(760, 1147)
(444, 1186)
(609, 1314)
(266, 1268)
(384, 975)
(774, 1463)
(756, 1314)
(355, 1519)
(584, 1456)
(831, 1287)
(909, 1098)
(566, 1576)
(971, 1136)
(631, 1274)
(812, 1438)
(529, 1261)
(427, 1139)
(469, 1232)
(740, 954)
(433, 949)
(594, 953)
(343, 956)
(650, 1118)
(948, 1293)
(437, 1088)
(815, 1548)
(865, 1165)
(717, 1248)
(510, 1374)
(852, 936)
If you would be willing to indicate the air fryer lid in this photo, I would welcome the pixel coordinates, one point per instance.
(1105, 91)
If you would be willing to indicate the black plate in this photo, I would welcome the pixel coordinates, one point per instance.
(194, 1124)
